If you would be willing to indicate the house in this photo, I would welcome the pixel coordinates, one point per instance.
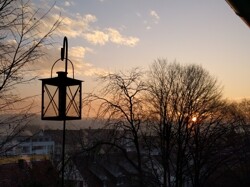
(28, 143)
(73, 141)
(109, 170)
(33, 170)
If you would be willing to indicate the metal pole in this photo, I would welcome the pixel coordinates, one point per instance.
(64, 55)
(63, 152)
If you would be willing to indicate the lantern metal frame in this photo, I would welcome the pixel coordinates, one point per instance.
(62, 98)
(59, 96)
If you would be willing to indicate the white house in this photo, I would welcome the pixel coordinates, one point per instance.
(30, 144)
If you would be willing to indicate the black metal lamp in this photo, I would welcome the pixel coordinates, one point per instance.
(61, 97)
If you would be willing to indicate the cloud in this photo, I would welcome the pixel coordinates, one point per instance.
(97, 37)
(78, 52)
(89, 18)
(58, 8)
(155, 16)
(110, 35)
(150, 19)
(83, 28)
(76, 25)
(138, 14)
(67, 3)
(93, 71)
(70, 27)
(73, 28)
(117, 38)
(76, 55)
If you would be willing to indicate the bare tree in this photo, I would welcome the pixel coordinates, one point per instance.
(175, 120)
(180, 95)
(208, 146)
(121, 105)
(239, 142)
(23, 35)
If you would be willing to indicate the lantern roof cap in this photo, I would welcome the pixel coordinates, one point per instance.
(61, 79)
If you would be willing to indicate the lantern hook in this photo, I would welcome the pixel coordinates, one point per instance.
(64, 53)
(64, 56)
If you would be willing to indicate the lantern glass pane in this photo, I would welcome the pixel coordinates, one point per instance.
(50, 101)
(73, 101)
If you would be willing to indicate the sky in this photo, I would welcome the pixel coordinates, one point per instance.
(117, 35)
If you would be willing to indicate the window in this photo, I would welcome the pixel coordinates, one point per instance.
(25, 149)
(36, 148)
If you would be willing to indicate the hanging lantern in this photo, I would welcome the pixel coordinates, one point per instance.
(61, 95)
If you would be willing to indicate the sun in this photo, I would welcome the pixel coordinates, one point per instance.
(194, 119)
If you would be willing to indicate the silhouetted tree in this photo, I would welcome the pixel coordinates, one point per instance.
(180, 97)
(239, 146)
(176, 122)
(208, 146)
(120, 103)
(23, 34)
